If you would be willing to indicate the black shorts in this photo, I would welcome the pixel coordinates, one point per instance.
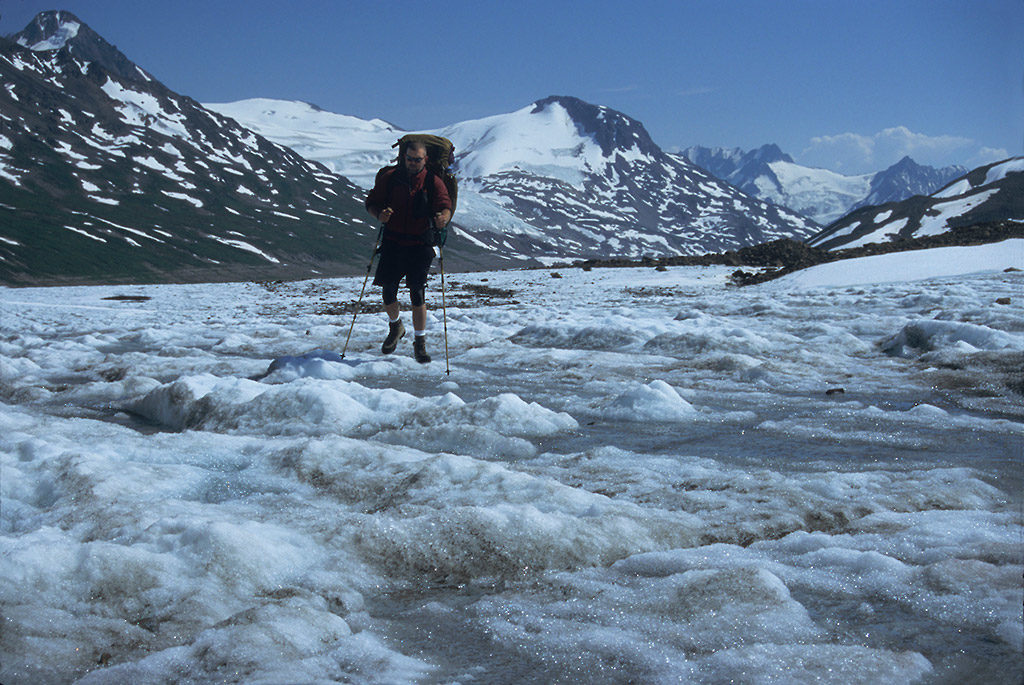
(411, 262)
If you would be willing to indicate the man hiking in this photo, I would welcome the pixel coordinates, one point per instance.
(410, 201)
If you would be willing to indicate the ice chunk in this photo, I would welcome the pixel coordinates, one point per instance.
(656, 401)
(928, 334)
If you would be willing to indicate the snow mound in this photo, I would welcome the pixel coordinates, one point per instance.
(911, 265)
(775, 663)
(323, 364)
(929, 335)
(312, 406)
(585, 338)
(710, 338)
(656, 401)
(452, 518)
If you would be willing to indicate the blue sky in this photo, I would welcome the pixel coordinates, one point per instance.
(851, 86)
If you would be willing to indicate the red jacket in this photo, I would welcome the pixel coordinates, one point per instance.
(411, 219)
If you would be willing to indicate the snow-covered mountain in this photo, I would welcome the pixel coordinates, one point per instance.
(106, 174)
(596, 176)
(735, 165)
(825, 196)
(907, 178)
(991, 193)
(559, 179)
(355, 148)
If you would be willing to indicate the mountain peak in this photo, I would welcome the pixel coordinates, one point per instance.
(769, 153)
(736, 165)
(108, 177)
(51, 30)
(611, 130)
(905, 164)
(60, 30)
(567, 101)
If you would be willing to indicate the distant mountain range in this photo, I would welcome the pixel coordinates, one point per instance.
(825, 196)
(559, 179)
(988, 194)
(512, 185)
(106, 176)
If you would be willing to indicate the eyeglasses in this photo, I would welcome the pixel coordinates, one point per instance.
(414, 159)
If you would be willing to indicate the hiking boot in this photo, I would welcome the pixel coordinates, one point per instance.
(419, 349)
(395, 333)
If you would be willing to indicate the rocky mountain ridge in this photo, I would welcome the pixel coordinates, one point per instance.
(106, 175)
(989, 194)
(825, 196)
(557, 180)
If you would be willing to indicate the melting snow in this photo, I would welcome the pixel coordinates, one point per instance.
(629, 475)
(144, 109)
(911, 265)
(86, 234)
(183, 196)
(242, 245)
(65, 32)
(936, 224)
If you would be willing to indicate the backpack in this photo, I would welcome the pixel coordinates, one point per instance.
(440, 158)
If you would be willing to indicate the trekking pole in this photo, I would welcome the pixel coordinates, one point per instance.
(359, 303)
(444, 311)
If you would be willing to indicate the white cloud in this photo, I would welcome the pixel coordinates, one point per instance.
(987, 155)
(853, 153)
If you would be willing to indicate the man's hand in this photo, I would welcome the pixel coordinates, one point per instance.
(441, 218)
(385, 215)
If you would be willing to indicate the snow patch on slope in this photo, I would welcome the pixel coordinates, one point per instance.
(545, 143)
(64, 33)
(352, 147)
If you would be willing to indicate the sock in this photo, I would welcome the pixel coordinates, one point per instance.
(396, 319)
(420, 334)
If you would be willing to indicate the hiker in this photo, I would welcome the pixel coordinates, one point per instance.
(409, 200)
